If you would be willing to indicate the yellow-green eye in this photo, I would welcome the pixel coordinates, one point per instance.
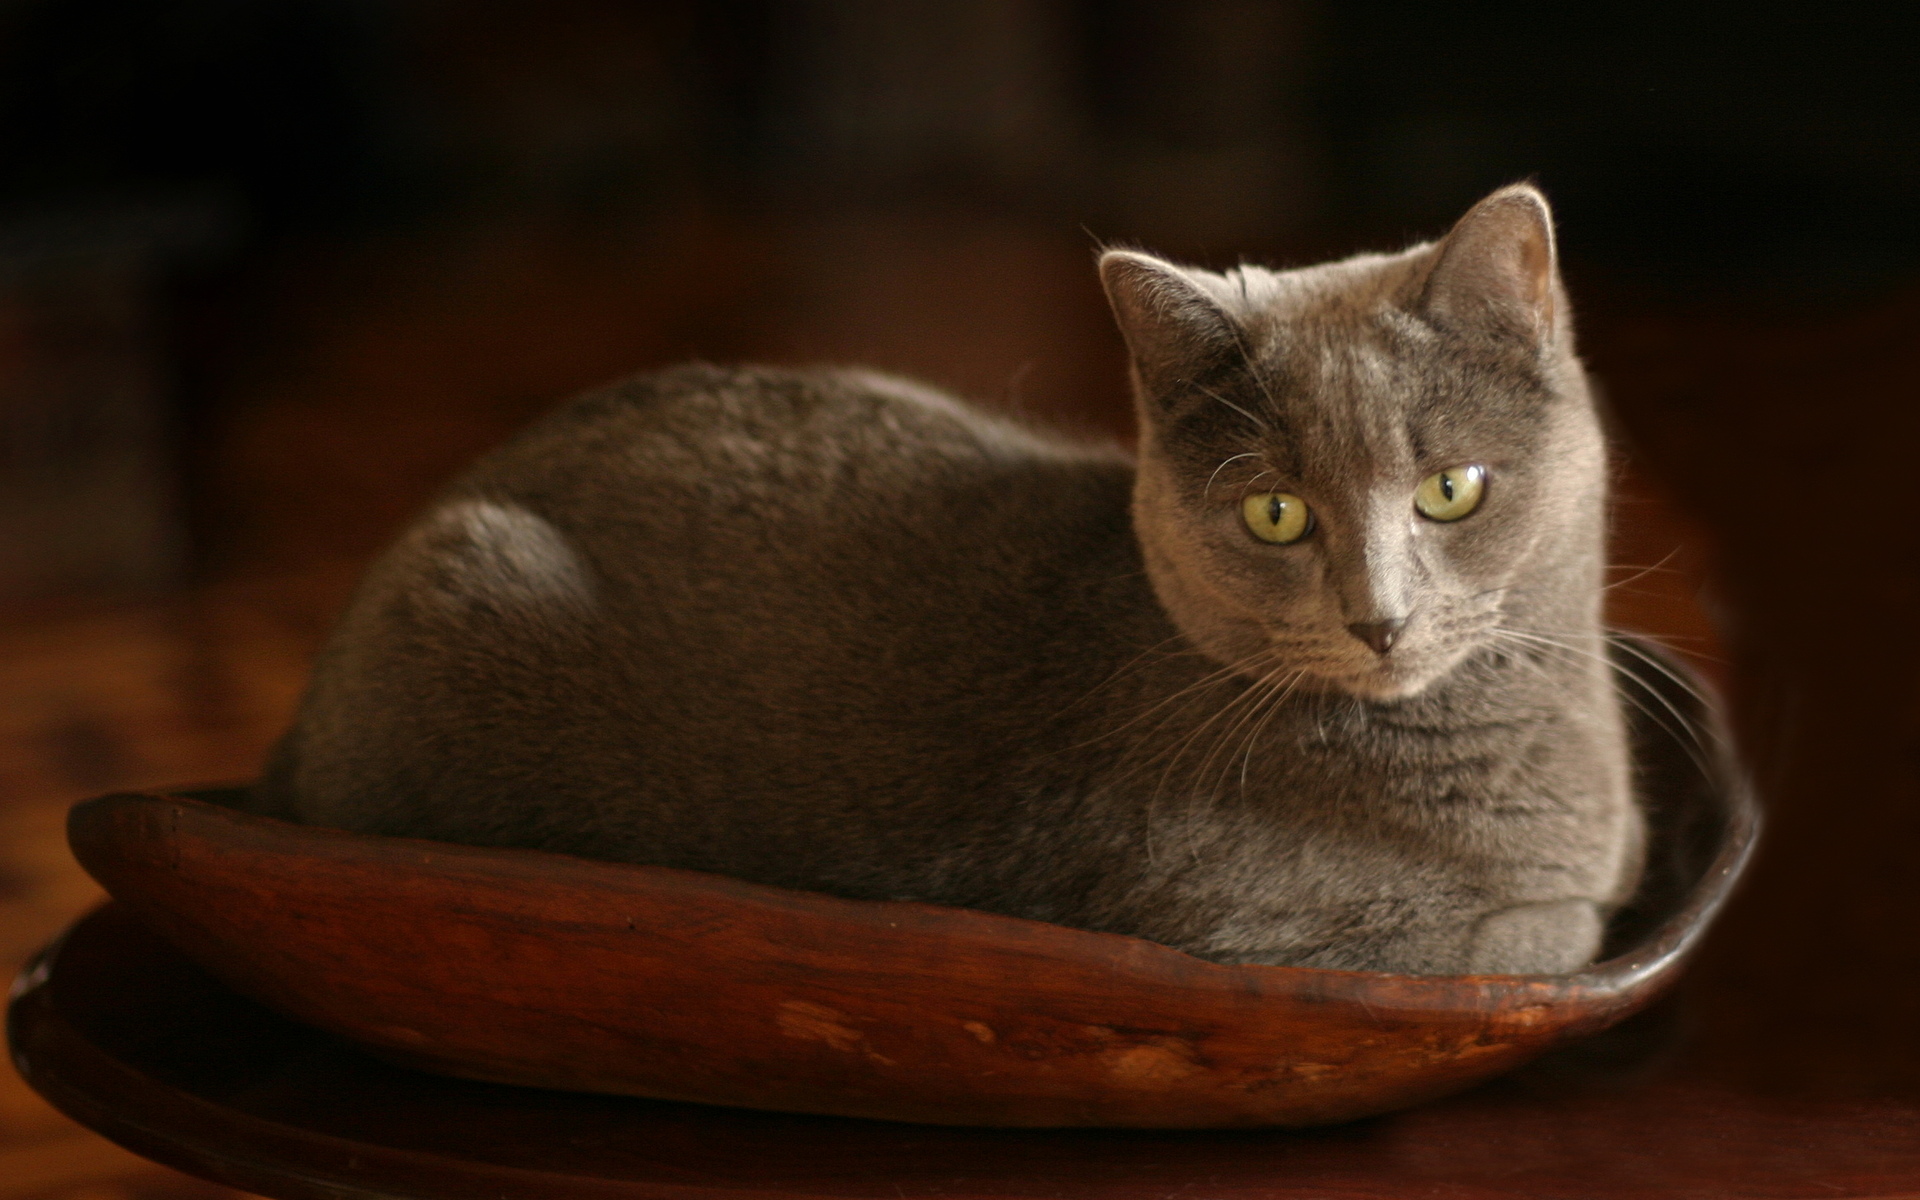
(1276, 517)
(1450, 494)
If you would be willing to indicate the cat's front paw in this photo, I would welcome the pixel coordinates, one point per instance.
(1536, 939)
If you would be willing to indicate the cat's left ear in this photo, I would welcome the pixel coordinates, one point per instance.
(1498, 268)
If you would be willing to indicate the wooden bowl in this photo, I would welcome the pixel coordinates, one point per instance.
(524, 967)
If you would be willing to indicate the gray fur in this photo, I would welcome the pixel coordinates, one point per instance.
(836, 631)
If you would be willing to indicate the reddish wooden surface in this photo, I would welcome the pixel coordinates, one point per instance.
(531, 968)
(121, 1031)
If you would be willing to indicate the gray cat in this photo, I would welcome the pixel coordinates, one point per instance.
(1317, 678)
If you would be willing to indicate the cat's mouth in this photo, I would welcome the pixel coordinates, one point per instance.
(1388, 681)
(1406, 671)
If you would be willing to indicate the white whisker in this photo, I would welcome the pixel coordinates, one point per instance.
(1207, 391)
(1248, 485)
(1689, 732)
(1223, 466)
(1643, 572)
(1254, 733)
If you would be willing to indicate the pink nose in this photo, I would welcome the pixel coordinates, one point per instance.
(1378, 634)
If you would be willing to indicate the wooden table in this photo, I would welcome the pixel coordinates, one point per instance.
(130, 1038)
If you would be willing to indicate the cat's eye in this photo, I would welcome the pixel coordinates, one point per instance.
(1450, 494)
(1277, 517)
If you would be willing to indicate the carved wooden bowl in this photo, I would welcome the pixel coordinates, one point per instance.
(525, 967)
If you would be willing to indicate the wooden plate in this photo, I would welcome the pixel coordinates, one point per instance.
(525, 967)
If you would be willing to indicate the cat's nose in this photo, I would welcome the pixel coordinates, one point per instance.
(1378, 634)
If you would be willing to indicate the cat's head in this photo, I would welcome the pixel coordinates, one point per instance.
(1358, 470)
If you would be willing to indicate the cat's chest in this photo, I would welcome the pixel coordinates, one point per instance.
(1477, 766)
(1432, 766)
(1525, 806)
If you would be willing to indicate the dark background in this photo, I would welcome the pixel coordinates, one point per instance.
(335, 247)
(269, 273)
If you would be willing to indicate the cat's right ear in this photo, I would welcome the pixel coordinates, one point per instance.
(1174, 330)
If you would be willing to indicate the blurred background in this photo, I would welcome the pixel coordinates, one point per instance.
(271, 273)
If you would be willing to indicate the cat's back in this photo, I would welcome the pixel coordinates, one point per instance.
(785, 507)
(715, 581)
(764, 470)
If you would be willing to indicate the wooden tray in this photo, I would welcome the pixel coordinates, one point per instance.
(531, 968)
